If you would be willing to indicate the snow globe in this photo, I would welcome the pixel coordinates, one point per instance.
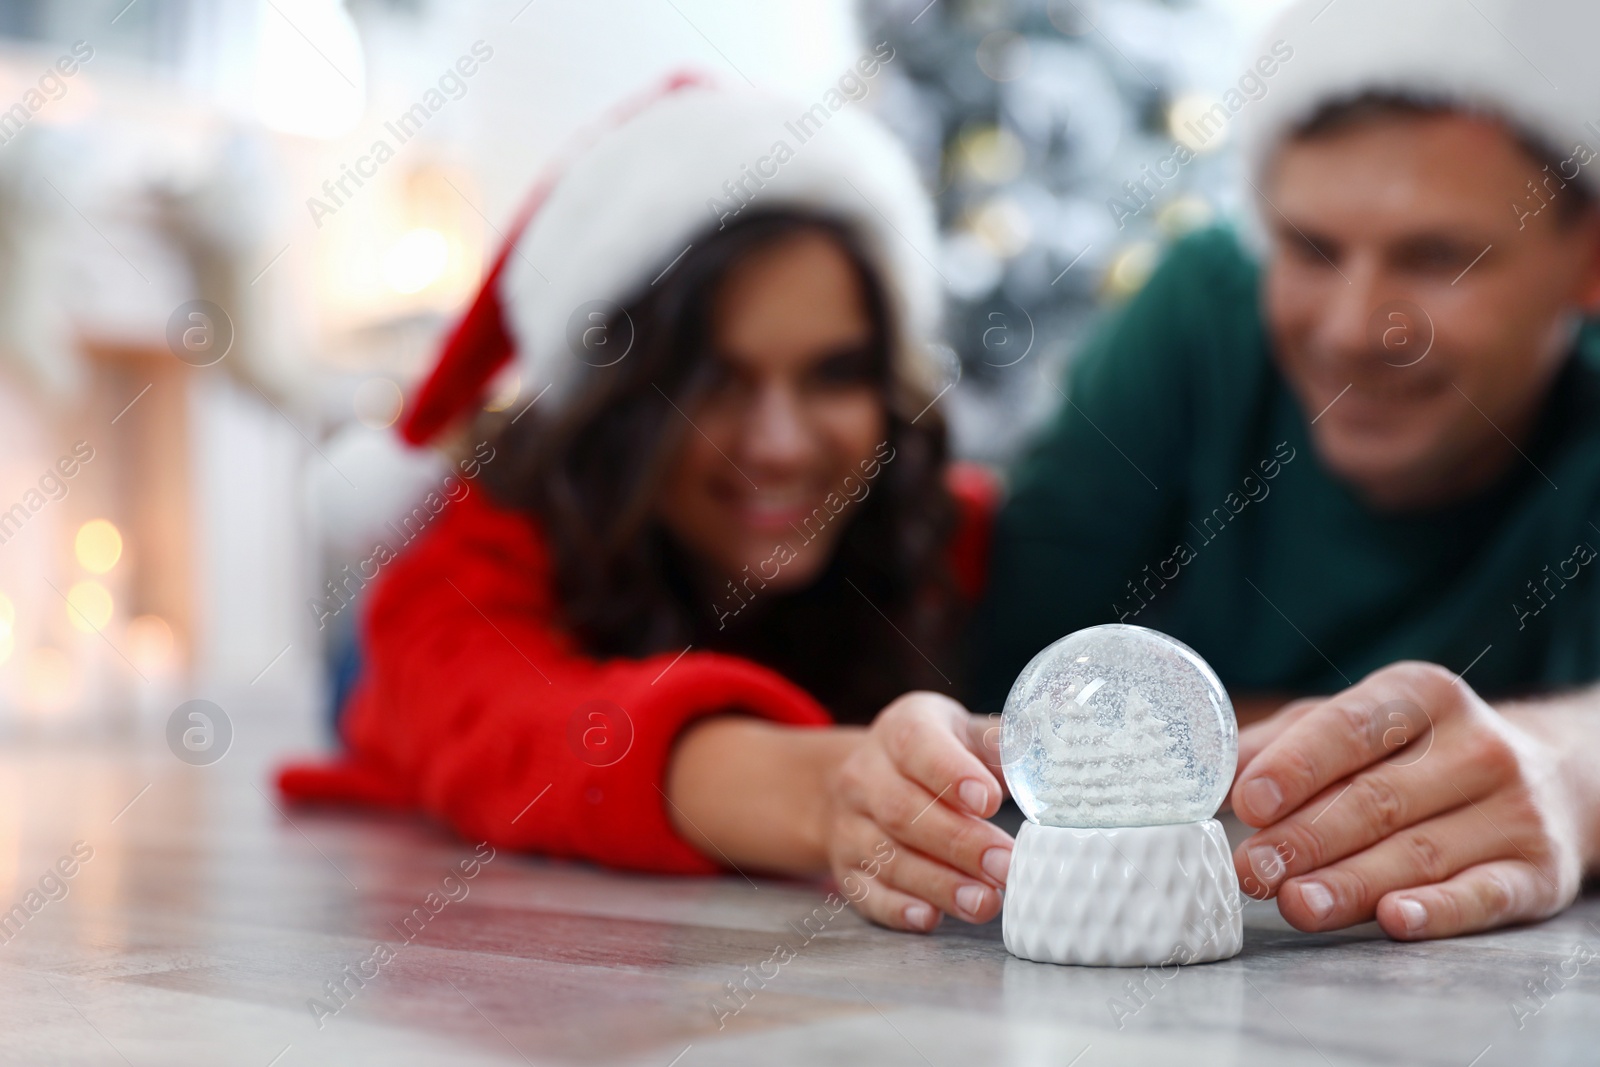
(1119, 744)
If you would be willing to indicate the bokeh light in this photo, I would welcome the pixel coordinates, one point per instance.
(1131, 268)
(90, 606)
(98, 546)
(311, 90)
(416, 261)
(1003, 226)
(1003, 55)
(49, 679)
(1194, 121)
(1185, 214)
(378, 402)
(505, 392)
(150, 644)
(992, 153)
(1073, 17)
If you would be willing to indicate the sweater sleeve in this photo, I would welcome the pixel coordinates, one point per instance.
(477, 708)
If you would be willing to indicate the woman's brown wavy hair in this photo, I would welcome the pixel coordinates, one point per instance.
(878, 622)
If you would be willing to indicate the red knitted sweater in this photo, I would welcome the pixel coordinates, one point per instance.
(475, 706)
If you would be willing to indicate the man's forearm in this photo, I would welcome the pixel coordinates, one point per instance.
(1570, 723)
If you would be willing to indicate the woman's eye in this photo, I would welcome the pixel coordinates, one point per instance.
(720, 378)
(844, 369)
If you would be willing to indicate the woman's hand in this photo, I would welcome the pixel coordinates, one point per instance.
(904, 816)
(1409, 799)
(897, 811)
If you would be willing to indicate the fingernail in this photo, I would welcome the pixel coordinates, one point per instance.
(974, 796)
(1317, 899)
(996, 863)
(1266, 862)
(1413, 914)
(969, 898)
(1263, 797)
(918, 916)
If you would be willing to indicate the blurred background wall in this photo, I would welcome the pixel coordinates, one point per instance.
(207, 268)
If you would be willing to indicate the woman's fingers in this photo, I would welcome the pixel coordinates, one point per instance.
(887, 906)
(921, 789)
(927, 737)
(983, 738)
(947, 889)
(965, 842)
(1479, 898)
(894, 885)
(908, 813)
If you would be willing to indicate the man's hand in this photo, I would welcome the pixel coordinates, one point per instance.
(905, 821)
(1409, 799)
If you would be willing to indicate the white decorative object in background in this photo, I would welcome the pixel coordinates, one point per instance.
(35, 331)
(1119, 744)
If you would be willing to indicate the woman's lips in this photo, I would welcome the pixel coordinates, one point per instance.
(769, 511)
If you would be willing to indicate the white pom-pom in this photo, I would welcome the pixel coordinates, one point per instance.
(370, 478)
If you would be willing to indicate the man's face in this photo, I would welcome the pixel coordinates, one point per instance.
(1416, 315)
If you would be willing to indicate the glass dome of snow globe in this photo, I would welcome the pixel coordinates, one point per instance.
(1118, 726)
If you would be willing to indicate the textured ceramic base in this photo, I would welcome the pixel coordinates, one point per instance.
(1125, 897)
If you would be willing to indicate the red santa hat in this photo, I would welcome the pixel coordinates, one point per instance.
(662, 174)
(1528, 62)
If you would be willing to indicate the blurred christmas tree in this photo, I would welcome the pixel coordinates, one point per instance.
(1045, 127)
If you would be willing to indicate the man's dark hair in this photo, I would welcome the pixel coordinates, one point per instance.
(1574, 202)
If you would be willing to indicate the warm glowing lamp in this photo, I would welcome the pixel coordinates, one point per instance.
(98, 546)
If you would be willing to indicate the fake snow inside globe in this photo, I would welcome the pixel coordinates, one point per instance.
(1119, 744)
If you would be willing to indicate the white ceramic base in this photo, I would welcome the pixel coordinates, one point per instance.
(1123, 897)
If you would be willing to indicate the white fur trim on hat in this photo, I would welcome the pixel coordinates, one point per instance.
(1531, 62)
(365, 479)
(621, 214)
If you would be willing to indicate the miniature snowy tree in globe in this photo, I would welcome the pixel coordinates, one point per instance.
(1086, 768)
(1119, 744)
(1145, 742)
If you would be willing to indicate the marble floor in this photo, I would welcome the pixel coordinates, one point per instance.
(203, 923)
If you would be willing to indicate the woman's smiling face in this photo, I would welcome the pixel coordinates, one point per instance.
(794, 412)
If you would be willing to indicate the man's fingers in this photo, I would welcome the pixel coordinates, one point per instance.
(947, 889)
(1252, 739)
(1479, 898)
(926, 735)
(1431, 852)
(1393, 709)
(1355, 814)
